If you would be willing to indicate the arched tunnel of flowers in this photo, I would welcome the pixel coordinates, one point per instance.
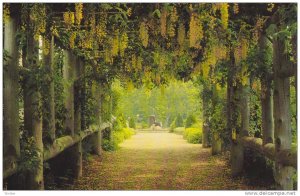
(79, 78)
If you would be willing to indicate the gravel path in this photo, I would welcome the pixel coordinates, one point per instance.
(158, 161)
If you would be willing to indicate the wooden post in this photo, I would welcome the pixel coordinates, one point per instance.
(73, 121)
(48, 89)
(97, 137)
(233, 101)
(68, 73)
(266, 98)
(33, 112)
(77, 118)
(205, 127)
(77, 97)
(216, 142)
(205, 136)
(11, 138)
(237, 158)
(282, 119)
(231, 105)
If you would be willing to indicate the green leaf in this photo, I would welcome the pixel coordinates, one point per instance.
(156, 12)
(271, 29)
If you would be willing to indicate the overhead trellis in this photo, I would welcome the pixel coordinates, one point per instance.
(225, 46)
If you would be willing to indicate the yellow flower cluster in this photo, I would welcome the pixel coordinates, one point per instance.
(46, 46)
(139, 63)
(115, 44)
(143, 34)
(38, 18)
(270, 7)
(100, 30)
(162, 62)
(173, 20)
(181, 34)
(133, 60)
(256, 86)
(235, 8)
(129, 11)
(72, 39)
(240, 52)
(107, 56)
(129, 85)
(54, 31)
(220, 51)
(244, 76)
(136, 62)
(212, 55)
(78, 13)
(92, 22)
(69, 19)
(257, 28)
(123, 43)
(163, 22)
(86, 42)
(6, 12)
(196, 31)
(224, 14)
(244, 48)
(157, 78)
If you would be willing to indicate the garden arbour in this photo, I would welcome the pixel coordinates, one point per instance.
(99, 43)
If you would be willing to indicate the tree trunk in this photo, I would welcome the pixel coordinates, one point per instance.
(48, 95)
(33, 112)
(282, 119)
(11, 138)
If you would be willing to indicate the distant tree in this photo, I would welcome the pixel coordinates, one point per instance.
(179, 121)
(132, 123)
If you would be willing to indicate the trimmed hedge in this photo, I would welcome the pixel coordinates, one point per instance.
(117, 138)
(193, 135)
(179, 130)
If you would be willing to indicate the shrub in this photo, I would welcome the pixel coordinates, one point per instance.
(117, 138)
(128, 132)
(193, 135)
(119, 123)
(132, 123)
(145, 125)
(109, 145)
(179, 130)
(191, 119)
(172, 126)
(179, 121)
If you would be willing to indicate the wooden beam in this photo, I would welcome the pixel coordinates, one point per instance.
(61, 144)
(285, 157)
